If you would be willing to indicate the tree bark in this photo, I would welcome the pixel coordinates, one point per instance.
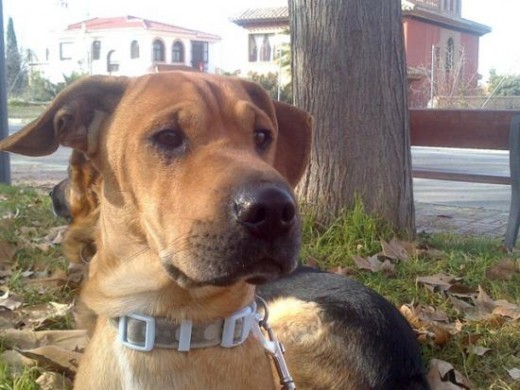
(349, 72)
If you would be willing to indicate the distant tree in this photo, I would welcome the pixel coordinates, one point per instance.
(15, 75)
(270, 82)
(504, 84)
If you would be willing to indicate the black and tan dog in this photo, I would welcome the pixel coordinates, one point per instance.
(195, 209)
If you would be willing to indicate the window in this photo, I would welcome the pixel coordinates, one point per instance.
(65, 50)
(450, 56)
(178, 52)
(96, 50)
(134, 50)
(260, 47)
(158, 51)
(265, 49)
(253, 49)
(199, 54)
(112, 62)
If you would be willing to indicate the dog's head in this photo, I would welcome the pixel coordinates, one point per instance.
(197, 168)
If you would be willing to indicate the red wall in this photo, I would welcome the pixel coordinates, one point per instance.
(419, 37)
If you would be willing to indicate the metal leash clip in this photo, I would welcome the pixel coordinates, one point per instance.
(273, 347)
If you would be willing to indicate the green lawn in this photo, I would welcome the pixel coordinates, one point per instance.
(476, 333)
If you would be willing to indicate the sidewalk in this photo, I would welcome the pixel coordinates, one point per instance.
(434, 218)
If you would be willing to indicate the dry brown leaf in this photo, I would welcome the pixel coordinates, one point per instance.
(343, 271)
(7, 251)
(443, 376)
(42, 280)
(53, 381)
(71, 340)
(395, 250)
(55, 359)
(37, 316)
(437, 282)
(504, 308)
(312, 262)
(432, 253)
(502, 271)
(55, 235)
(369, 263)
(10, 302)
(441, 336)
(373, 264)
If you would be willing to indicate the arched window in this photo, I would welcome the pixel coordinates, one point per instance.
(265, 49)
(253, 49)
(450, 55)
(112, 62)
(134, 49)
(96, 50)
(178, 52)
(158, 51)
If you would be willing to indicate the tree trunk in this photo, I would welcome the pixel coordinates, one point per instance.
(349, 72)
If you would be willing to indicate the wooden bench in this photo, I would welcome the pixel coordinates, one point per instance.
(473, 129)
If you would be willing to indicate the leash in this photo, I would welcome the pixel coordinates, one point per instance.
(273, 347)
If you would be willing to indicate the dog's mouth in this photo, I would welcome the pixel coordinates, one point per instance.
(259, 272)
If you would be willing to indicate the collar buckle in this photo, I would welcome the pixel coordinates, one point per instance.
(149, 332)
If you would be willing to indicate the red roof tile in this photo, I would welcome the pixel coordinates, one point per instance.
(122, 22)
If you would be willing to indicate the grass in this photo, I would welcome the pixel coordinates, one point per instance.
(25, 112)
(25, 217)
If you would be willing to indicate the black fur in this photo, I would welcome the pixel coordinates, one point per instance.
(377, 337)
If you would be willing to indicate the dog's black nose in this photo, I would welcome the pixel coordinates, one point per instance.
(266, 210)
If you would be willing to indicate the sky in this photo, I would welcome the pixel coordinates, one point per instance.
(32, 18)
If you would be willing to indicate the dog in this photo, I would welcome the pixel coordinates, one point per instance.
(195, 209)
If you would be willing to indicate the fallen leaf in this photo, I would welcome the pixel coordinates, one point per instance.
(514, 373)
(54, 359)
(478, 350)
(443, 376)
(343, 271)
(312, 262)
(395, 250)
(10, 302)
(55, 235)
(504, 308)
(441, 336)
(373, 264)
(502, 271)
(71, 340)
(437, 282)
(7, 251)
(53, 381)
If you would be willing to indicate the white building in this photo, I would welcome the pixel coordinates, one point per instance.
(267, 34)
(127, 46)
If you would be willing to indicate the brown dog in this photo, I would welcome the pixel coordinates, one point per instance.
(195, 208)
(173, 244)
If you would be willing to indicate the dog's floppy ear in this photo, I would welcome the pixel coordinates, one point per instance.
(294, 141)
(73, 118)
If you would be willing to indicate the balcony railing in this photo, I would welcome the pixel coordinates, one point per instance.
(435, 4)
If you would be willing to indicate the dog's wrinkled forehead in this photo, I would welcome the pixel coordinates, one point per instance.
(193, 95)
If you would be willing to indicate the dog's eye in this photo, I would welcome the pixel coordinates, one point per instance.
(262, 139)
(169, 139)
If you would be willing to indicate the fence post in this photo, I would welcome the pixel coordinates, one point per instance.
(5, 169)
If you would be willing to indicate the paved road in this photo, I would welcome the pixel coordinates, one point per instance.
(49, 169)
(453, 193)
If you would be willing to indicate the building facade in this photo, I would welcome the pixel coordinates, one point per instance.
(127, 46)
(442, 50)
(441, 46)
